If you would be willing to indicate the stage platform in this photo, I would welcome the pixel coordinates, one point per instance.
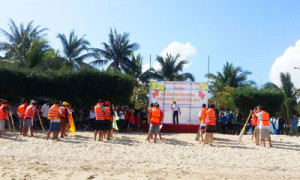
(176, 128)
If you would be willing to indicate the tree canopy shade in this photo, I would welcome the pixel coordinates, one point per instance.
(118, 51)
(81, 87)
(171, 69)
(247, 98)
(288, 92)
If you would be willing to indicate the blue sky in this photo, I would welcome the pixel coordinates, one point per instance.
(249, 33)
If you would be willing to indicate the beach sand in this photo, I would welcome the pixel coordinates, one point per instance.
(130, 156)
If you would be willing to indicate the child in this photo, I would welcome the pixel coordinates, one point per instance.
(131, 120)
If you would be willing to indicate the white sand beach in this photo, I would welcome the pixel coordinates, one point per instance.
(130, 156)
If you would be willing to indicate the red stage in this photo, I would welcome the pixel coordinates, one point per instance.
(176, 128)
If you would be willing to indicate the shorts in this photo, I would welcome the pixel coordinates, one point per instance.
(2, 124)
(202, 127)
(131, 125)
(54, 126)
(21, 122)
(253, 129)
(264, 134)
(107, 125)
(154, 128)
(99, 125)
(210, 128)
(294, 130)
(27, 123)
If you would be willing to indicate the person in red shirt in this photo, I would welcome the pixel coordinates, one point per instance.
(156, 117)
(131, 120)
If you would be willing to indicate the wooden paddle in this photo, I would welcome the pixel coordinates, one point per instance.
(41, 122)
(13, 124)
(243, 130)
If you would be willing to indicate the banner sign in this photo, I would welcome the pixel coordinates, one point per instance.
(189, 97)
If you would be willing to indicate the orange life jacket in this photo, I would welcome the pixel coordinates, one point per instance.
(63, 111)
(202, 116)
(21, 110)
(107, 114)
(3, 115)
(29, 113)
(254, 120)
(53, 112)
(210, 117)
(265, 118)
(98, 112)
(155, 115)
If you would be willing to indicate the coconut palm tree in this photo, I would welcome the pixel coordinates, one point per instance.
(118, 51)
(171, 69)
(75, 50)
(289, 92)
(230, 77)
(21, 40)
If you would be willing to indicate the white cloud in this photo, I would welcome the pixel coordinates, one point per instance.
(286, 63)
(185, 50)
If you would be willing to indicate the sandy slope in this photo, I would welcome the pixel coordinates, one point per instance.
(129, 156)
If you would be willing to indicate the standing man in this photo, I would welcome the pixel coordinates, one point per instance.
(45, 109)
(156, 116)
(28, 118)
(175, 109)
(64, 118)
(99, 122)
(281, 124)
(229, 116)
(294, 125)
(202, 115)
(210, 125)
(21, 114)
(53, 116)
(264, 125)
(237, 121)
(4, 111)
(150, 134)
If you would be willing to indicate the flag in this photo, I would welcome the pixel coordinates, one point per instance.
(115, 119)
(72, 126)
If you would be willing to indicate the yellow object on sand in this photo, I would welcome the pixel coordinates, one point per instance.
(72, 125)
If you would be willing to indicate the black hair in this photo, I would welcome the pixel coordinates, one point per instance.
(204, 105)
(212, 106)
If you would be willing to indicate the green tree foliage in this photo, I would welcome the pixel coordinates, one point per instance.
(171, 69)
(118, 51)
(25, 45)
(288, 92)
(248, 98)
(81, 87)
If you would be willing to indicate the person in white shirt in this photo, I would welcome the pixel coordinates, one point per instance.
(175, 109)
(44, 110)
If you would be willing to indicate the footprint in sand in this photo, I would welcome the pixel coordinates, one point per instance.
(91, 177)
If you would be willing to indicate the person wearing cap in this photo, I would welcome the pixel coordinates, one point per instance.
(156, 117)
(237, 122)
(28, 118)
(4, 111)
(54, 117)
(175, 109)
(64, 119)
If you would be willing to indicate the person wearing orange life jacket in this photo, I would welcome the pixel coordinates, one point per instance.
(68, 125)
(21, 114)
(201, 115)
(28, 118)
(253, 123)
(99, 120)
(156, 116)
(210, 122)
(264, 125)
(150, 135)
(54, 118)
(64, 119)
(4, 111)
(108, 119)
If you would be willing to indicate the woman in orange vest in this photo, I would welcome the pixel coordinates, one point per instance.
(108, 120)
(264, 125)
(202, 115)
(210, 121)
(156, 117)
(4, 111)
(21, 114)
(28, 118)
(253, 123)
(99, 120)
(54, 117)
